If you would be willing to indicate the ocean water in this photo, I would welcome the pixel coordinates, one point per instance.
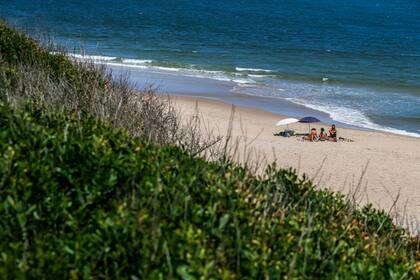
(357, 61)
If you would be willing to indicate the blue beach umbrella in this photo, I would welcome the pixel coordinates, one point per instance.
(309, 120)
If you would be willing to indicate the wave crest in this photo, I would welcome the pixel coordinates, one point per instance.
(240, 69)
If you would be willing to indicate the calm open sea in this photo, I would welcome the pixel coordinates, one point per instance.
(358, 61)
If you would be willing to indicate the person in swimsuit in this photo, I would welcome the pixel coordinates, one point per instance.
(333, 133)
(313, 136)
(323, 135)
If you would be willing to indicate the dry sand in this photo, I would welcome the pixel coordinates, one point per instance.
(390, 163)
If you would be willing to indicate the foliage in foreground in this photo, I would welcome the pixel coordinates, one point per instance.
(80, 199)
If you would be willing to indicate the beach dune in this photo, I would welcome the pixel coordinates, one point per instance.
(380, 167)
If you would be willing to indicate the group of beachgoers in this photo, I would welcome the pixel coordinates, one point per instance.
(313, 135)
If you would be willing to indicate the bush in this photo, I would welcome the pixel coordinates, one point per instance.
(81, 199)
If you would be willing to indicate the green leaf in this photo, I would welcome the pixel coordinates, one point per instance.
(182, 271)
(223, 221)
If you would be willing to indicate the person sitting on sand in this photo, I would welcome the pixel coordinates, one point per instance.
(323, 135)
(333, 132)
(313, 136)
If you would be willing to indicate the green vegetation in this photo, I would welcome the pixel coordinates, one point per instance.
(28, 72)
(81, 198)
(17, 50)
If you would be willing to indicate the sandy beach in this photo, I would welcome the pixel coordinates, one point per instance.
(383, 167)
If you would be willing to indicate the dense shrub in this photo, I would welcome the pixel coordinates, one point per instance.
(81, 199)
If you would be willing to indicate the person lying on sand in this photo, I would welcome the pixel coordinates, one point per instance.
(285, 133)
(313, 136)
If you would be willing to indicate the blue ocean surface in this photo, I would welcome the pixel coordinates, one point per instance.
(357, 61)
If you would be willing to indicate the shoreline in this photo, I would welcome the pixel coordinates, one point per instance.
(253, 108)
(200, 83)
(183, 83)
(381, 166)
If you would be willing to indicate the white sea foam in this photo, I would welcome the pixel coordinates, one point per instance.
(172, 69)
(240, 69)
(102, 58)
(210, 72)
(260, 76)
(243, 81)
(91, 57)
(136, 61)
(351, 117)
(246, 85)
(147, 64)
(119, 64)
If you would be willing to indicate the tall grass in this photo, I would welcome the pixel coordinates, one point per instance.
(50, 79)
